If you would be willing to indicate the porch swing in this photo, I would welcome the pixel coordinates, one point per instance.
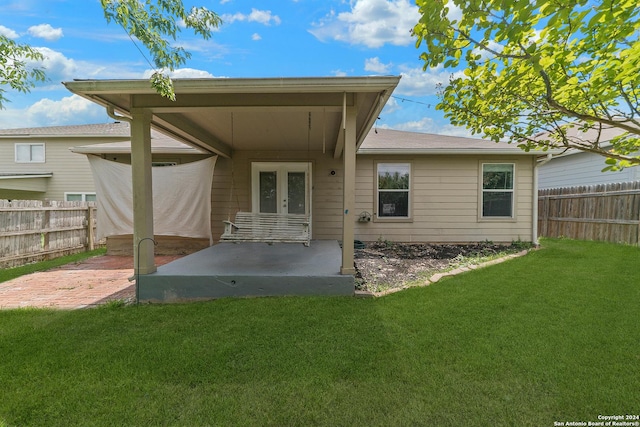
(269, 227)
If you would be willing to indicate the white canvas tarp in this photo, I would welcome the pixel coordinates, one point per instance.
(181, 198)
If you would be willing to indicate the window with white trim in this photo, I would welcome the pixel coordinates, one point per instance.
(393, 184)
(497, 190)
(80, 197)
(29, 153)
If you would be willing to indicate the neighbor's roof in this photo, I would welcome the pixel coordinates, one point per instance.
(160, 144)
(388, 141)
(115, 129)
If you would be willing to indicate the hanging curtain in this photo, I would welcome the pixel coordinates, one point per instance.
(181, 198)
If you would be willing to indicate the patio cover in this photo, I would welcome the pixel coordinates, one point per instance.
(222, 115)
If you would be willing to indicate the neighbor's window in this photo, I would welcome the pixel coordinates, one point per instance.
(80, 197)
(30, 153)
(394, 180)
(497, 189)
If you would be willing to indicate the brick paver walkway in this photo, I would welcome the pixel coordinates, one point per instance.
(85, 284)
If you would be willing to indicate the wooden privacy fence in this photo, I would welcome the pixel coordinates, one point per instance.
(606, 212)
(33, 230)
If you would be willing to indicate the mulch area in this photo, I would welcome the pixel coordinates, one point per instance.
(381, 266)
(88, 283)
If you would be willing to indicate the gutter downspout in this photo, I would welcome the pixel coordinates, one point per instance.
(534, 228)
(112, 113)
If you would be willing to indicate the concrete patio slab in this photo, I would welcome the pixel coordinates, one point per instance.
(250, 269)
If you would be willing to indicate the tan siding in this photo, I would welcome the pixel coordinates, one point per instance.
(445, 196)
(327, 189)
(445, 192)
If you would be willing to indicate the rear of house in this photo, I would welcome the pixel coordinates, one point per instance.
(410, 187)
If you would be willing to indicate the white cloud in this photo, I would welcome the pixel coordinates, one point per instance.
(261, 16)
(455, 13)
(372, 23)
(59, 68)
(374, 65)
(71, 110)
(428, 125)
(183, 73)
(8, 32)
(256, 37)
(416, 82)
(45, 31)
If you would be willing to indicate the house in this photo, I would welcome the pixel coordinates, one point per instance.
(579, 168)
(457, 190)
(305, 146)
(37, 164)
(573, 168)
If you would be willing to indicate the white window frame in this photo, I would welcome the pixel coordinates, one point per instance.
(83, 194)
(30, 145)
(511, 190)
(409, 192)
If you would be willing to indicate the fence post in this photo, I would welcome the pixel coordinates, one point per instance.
(90, 236)
(46, 225)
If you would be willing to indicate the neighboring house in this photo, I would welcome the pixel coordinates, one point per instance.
(575, 168)
(307, 146)
(37, 163)
(578, 168)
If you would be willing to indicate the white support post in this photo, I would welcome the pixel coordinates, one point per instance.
(349, 192)
(143, 246)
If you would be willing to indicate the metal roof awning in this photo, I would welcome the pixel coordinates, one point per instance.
(36, 182)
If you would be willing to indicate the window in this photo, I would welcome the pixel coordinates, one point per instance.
(393, 184)
(80, 197)
(30, 153)
(497, 190)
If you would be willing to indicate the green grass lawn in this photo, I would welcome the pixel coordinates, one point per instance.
(552, 336)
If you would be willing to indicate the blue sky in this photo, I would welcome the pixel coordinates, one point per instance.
(270, 38)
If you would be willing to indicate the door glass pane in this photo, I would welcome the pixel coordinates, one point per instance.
(268, 192)
(296, 189)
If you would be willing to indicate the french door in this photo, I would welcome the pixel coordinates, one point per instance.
(281, 187)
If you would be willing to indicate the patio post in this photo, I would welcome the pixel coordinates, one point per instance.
(143, 247)
(349, 191)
